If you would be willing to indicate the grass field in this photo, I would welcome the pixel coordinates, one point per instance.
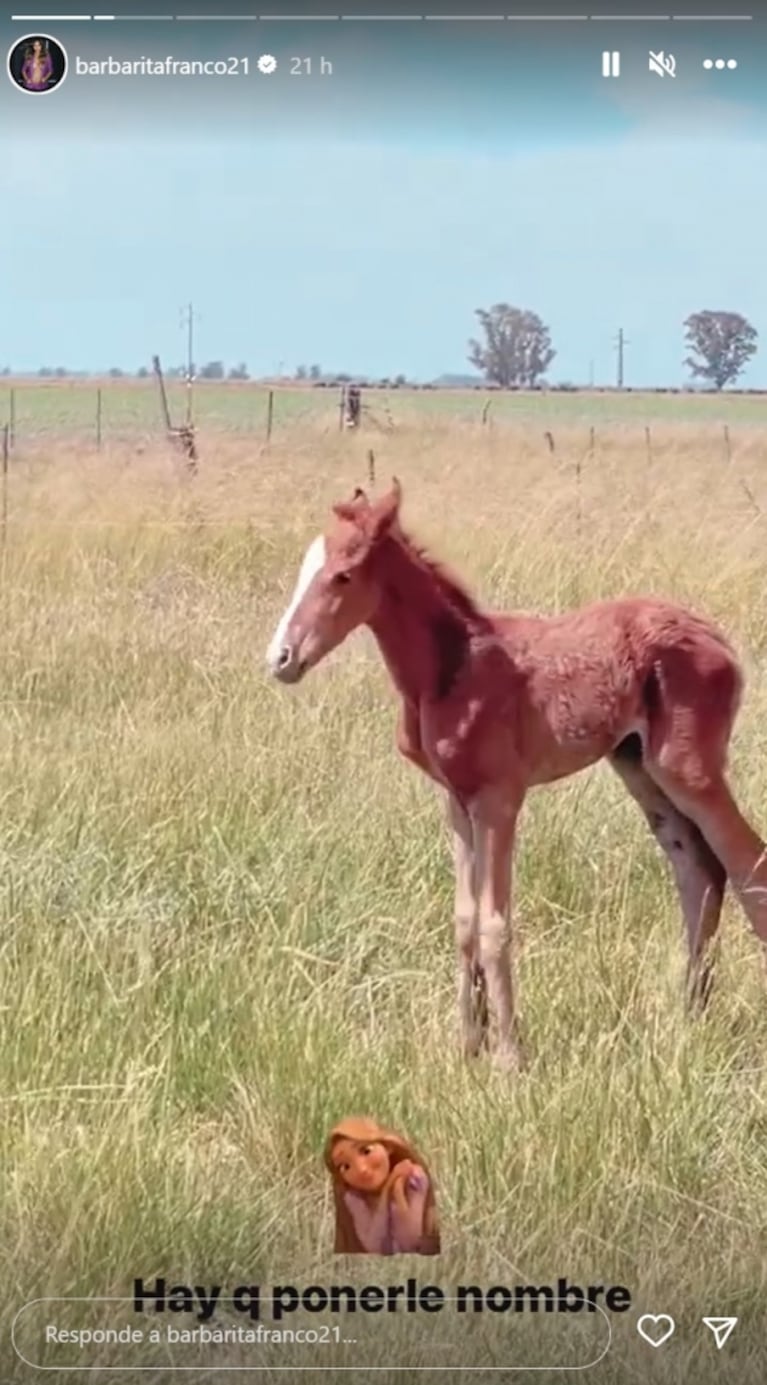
(123, 410)
(226, 906)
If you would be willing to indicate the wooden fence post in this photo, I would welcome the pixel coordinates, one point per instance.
(269, 415)
(6, 447)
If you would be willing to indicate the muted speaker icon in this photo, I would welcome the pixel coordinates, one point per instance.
(664, 65)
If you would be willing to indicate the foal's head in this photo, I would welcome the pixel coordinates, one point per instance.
(337, 588)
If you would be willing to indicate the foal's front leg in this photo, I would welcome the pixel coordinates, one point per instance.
(472, 997)
(494, 818)
(472, 993)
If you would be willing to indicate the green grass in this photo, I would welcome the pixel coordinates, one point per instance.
(225, 907)
(47, 410)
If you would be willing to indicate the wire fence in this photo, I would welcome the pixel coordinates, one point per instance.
(120, 412)
(102, 413)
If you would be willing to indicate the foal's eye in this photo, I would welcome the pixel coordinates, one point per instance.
(340, 577)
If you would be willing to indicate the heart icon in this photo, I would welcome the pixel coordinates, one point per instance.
(656, 1328)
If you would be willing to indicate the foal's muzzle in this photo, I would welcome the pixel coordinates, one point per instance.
(286, 665)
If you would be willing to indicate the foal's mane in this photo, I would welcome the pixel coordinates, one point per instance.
(452, 590)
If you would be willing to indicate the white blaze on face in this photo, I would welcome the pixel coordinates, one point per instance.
(314, 560)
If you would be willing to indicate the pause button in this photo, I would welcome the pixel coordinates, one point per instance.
(611, 64)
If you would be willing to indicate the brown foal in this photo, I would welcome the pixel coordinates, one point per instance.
(493, 704)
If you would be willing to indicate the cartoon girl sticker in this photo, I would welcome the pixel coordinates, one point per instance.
(384, 1195)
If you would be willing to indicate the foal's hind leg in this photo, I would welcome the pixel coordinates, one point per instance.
(689, 730)
(739, 848)
(472, 987)
(700, 877)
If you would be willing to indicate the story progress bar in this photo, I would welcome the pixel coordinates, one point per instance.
(381, 18)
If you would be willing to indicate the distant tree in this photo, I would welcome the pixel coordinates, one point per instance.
(61, 372)
(6, 370)
(214, 370)
(315, 372)
(301, 372)
(115, 373)
(142, 373)
(399, 382)
(516, 349)
(45, 372)
(723, 344)
(239, 372)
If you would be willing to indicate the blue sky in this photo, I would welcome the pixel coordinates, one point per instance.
(358, 221)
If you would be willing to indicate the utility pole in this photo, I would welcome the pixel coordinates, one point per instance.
(621, 344)
(188, 317)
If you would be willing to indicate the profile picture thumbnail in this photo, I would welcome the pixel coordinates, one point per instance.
(37, 64)
(383, 1192)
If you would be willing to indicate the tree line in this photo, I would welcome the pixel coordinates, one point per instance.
(515, 346)
(514, 351)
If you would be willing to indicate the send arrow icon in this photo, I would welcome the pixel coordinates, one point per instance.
(721, 1328)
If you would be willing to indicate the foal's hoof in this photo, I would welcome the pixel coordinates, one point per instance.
(472, 1046)
(509, 1059)
(699, 988)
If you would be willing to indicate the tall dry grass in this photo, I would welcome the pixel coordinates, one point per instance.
(226, 906)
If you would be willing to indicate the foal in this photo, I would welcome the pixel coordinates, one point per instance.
(494, 704)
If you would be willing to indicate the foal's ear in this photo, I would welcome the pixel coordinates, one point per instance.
(352, 509)
(385, 513)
